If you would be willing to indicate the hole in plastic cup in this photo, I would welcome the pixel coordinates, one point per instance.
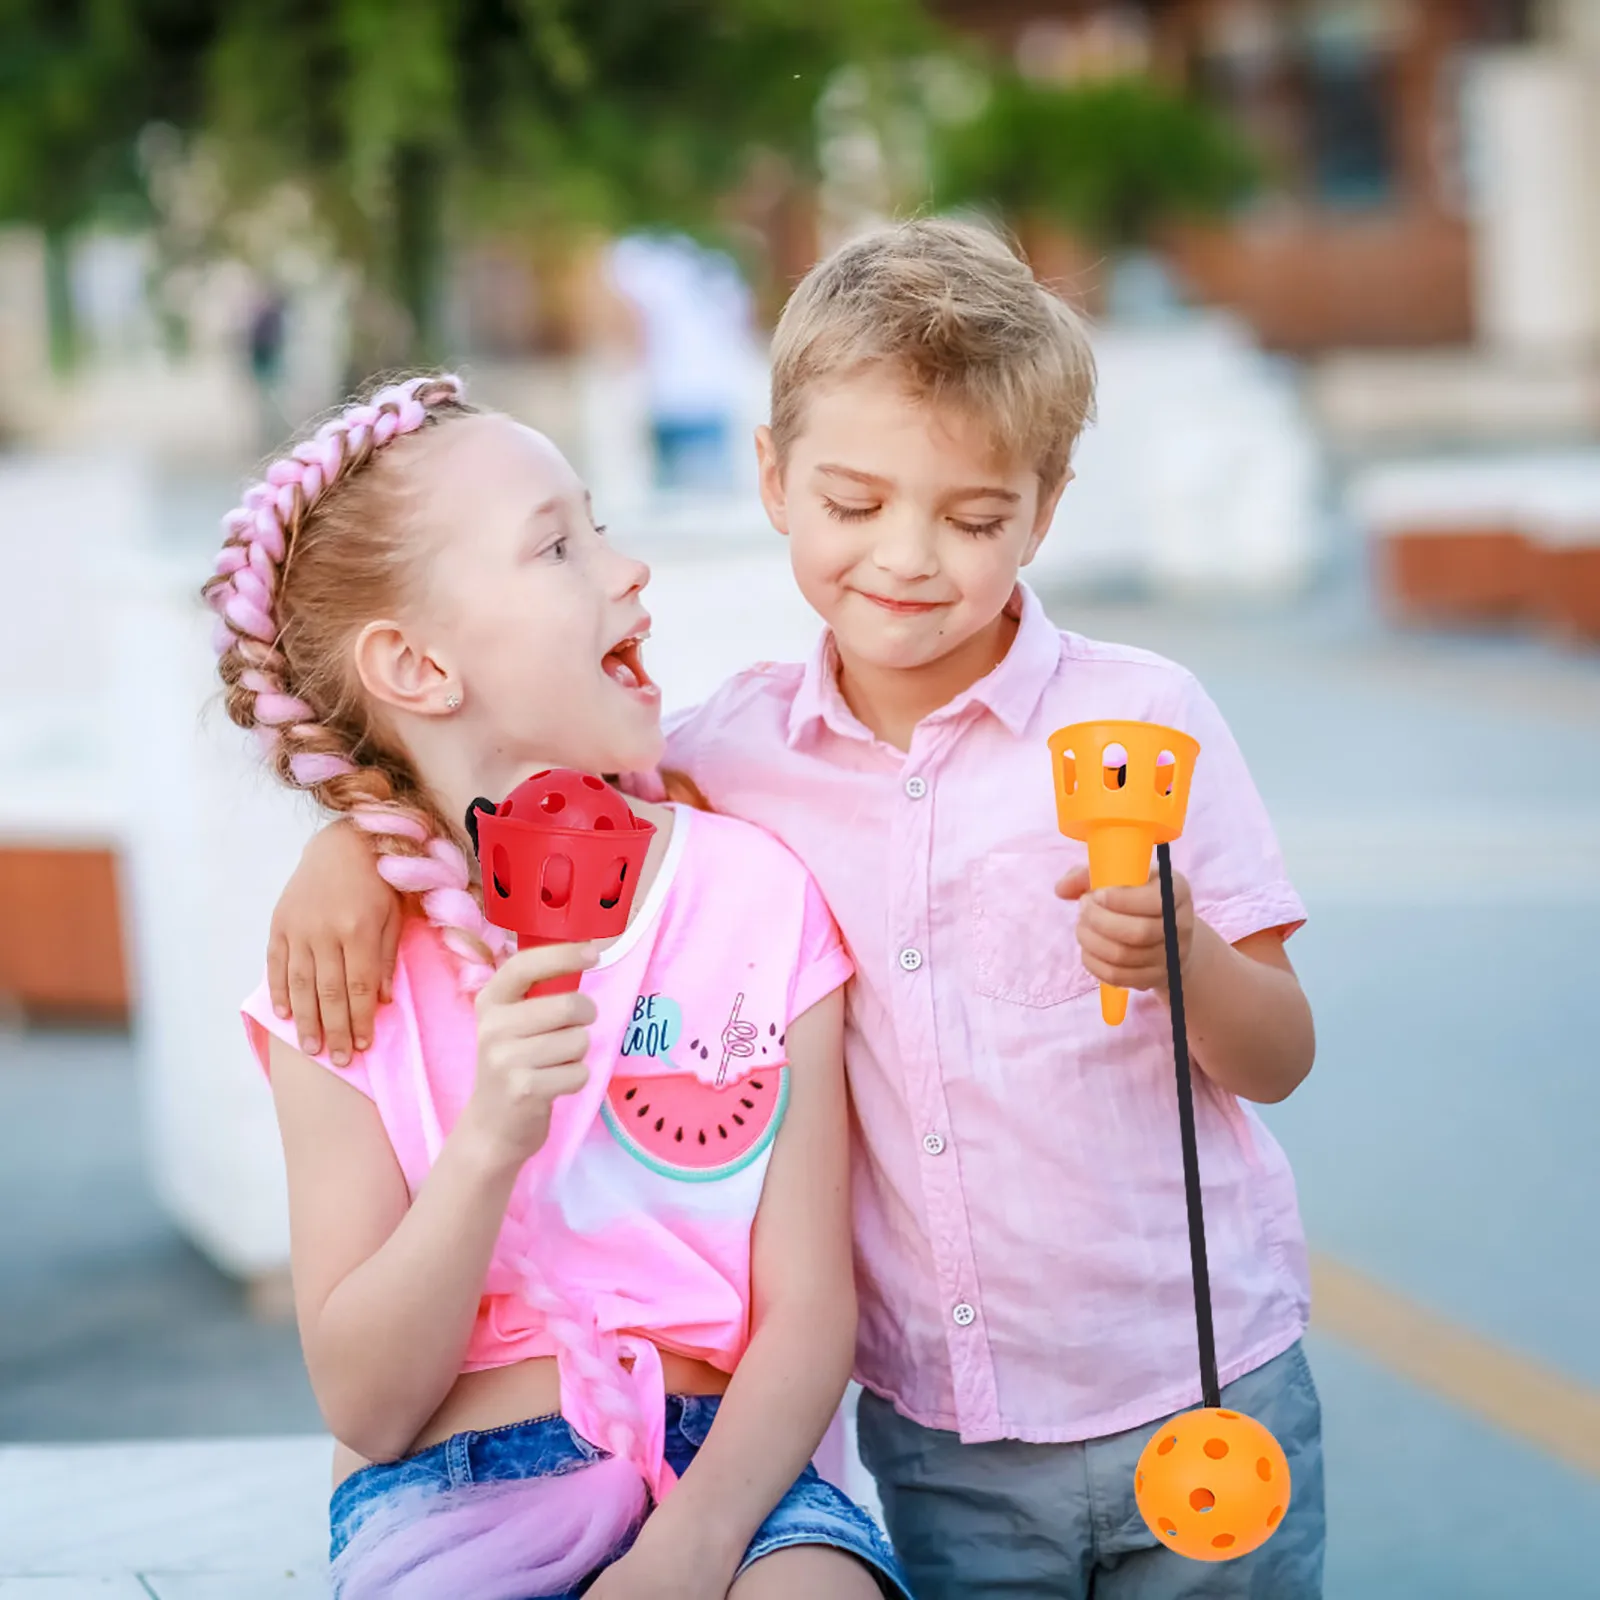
(1069, 768)
(613, 893)
(1166, 772)
(552, 803)
(1114, 760)
(555, 887)
(500, 872)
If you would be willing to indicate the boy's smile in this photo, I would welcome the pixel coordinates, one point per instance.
(906, 533)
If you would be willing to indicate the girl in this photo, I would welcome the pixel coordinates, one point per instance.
(527, 1316)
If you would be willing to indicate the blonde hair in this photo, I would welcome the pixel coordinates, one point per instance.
(951, 308)
(321, 545)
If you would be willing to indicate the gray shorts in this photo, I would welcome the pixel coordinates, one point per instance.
(1059, 1522)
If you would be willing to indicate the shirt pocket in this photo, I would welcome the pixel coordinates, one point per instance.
(1024, 939)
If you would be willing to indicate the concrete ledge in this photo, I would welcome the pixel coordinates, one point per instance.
(187, 1520)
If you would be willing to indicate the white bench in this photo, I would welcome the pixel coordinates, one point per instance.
(243, 1519)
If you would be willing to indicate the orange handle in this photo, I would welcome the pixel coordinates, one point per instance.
(1119, 858)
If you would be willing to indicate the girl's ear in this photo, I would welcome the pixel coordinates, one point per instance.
(396, 672)
(772, 493)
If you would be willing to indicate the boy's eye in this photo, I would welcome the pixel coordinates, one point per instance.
(841, 513)
(600, 528)
(980, 530)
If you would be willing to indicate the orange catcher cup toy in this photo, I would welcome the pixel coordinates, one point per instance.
(561, 857)
(1121, 788)
(1211, 1484)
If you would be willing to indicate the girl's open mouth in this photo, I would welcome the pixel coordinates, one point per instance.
(624, 664)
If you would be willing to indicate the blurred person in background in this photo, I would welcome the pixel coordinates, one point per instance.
(695, 329)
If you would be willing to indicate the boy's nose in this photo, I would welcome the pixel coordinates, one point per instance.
(905, 551)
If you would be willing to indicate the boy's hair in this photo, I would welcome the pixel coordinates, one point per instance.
(961, 317)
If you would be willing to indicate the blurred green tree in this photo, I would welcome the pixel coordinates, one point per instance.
(1109, 159)
(79, 81)
(405, 118)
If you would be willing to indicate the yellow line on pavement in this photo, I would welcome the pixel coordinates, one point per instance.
(1558, 1414)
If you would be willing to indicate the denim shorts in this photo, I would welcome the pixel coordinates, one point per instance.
(1059, 1521)
(812, 1512)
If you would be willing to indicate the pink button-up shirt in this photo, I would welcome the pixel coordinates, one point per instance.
(1022, 1248)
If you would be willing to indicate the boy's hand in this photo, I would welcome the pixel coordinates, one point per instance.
(335, 930)
(1120, 931)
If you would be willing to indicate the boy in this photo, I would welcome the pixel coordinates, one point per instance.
(1026, 1309)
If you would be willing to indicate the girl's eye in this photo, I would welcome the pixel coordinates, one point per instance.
(980, 530)
(841, 513)
(559, 548)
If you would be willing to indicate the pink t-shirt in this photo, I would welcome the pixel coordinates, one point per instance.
(636, 1214)
(1022, 1248)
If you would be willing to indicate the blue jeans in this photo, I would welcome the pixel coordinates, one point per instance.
(811, 1512)
(1031, 1521)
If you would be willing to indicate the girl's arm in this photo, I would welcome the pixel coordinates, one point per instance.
(386, 1287)
(803, 1324)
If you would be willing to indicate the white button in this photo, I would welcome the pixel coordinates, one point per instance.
(911, 959)
(964, 1315)
(933, 1144)
(916, 787)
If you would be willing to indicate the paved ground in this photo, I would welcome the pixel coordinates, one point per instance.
(1436, 799)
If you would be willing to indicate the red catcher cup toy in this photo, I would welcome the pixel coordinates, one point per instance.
(1212, 1484)
(561, 857)
(1121, 788)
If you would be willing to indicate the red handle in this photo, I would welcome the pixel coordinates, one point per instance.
(562, 983)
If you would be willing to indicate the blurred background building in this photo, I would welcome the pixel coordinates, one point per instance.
(1342, 259)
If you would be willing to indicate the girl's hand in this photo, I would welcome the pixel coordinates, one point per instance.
(530, 1052)
(1120, 931)
(330, 956)
(664, 1568)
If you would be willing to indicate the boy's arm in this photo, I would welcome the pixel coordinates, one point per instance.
(335, 930)
(1248, 1020)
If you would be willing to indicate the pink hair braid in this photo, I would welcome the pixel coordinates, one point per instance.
(245, 592)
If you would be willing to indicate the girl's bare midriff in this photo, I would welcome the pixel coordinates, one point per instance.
(523, 1390)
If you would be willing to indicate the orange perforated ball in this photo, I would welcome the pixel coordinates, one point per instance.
(1212, 1485)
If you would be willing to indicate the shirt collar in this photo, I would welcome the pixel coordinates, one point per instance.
(1011, 692)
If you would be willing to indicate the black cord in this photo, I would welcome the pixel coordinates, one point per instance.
(1210, 1394)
